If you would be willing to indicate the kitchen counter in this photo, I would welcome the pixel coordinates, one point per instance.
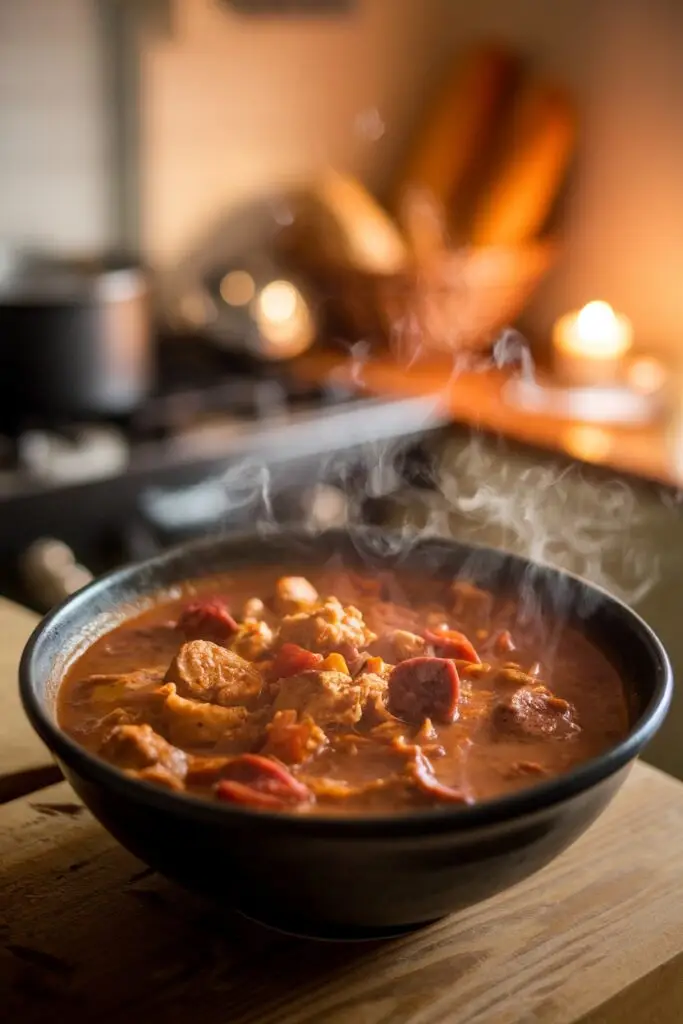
(476, 399)
(89, 933)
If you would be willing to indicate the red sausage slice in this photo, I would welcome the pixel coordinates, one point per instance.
(292, 660)
(424, 688)
(452, 644)
(260, 782)
(207, 620)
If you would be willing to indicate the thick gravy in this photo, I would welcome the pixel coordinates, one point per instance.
(341, 694)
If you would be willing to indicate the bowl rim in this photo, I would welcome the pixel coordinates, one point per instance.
(530, 800)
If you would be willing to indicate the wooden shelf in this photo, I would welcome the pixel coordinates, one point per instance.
(475, 399)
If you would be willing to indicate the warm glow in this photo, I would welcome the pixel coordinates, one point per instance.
(286, 324)
(237, 288)
(595, 319)
(278, 301)
(600, 332)
(646, 375)
(197, 309)
(592, 444)
(591, 344)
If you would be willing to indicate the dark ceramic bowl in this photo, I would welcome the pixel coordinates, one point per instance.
(358, 877)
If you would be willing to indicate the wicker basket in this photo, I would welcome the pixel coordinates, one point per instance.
(459, 300)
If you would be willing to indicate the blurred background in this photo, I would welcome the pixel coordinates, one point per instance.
(415, 262)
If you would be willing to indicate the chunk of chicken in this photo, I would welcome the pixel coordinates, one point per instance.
(202, 670)
(399, 645)
(253, 610)
(329, 698)
(252, 640)
(327, 628)
(191, 723)
(372, 687)
(113, 688)
(294, 594)
(138, 747)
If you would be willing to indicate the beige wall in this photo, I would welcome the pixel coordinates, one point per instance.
(233, 105)
(53, 140)
(624, 219)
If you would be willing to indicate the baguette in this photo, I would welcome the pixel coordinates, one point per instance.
(364, 233)
(535, 152)
(461, 124)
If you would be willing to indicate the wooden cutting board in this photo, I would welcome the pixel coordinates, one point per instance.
(20, 749)
(88, 933)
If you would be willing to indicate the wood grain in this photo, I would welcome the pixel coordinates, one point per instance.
(89, 934)
(20, 748)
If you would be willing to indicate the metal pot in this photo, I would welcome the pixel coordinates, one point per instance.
(75, 340)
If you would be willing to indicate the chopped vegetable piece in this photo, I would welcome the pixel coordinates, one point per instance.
(261, 782)
(503, 643)
(424, 688)
(335, 663)
(207, 620)
(452, 644)
(291, 740)
(292, 660)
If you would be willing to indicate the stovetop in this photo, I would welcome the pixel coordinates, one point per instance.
(119, 489)
(203, 400)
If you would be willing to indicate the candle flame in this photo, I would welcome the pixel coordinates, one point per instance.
(595, 332)
(597, 320)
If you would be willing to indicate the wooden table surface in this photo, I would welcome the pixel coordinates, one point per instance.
(88, 934)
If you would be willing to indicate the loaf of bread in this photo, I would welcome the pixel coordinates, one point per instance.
(534, 155)
(459, 127)
(338, 222)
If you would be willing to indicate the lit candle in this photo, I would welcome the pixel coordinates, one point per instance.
(590, 345)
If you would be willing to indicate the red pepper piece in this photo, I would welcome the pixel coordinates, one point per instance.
(452, 644)
(261, 782)
(292, 660)
(237, 793)
(207, 620)
(503, 643)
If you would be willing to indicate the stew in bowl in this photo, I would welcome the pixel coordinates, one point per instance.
(322, 692)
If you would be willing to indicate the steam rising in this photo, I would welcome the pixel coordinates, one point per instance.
(553, 514)
(477, 491)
